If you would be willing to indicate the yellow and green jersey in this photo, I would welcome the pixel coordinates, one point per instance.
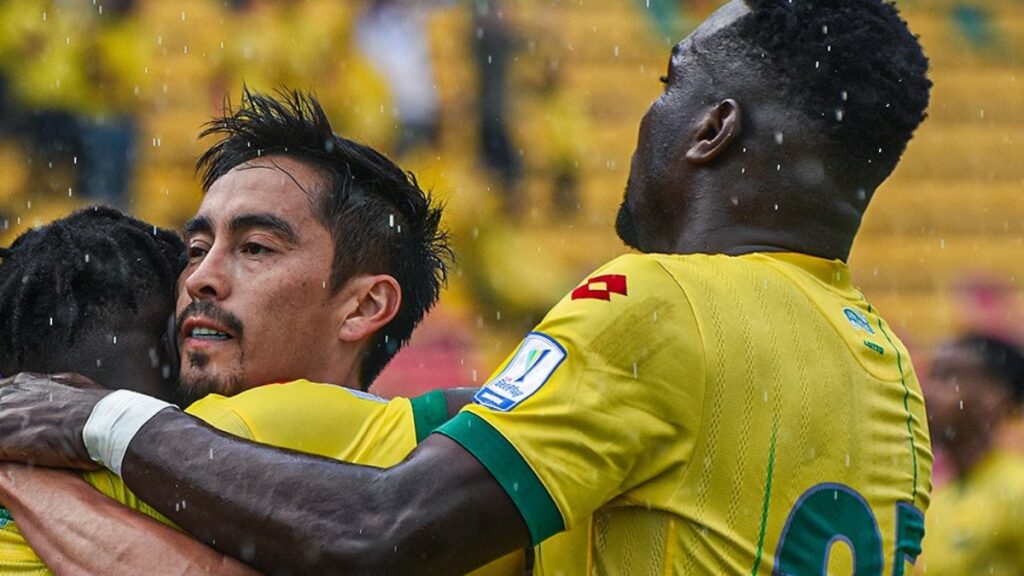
(706, 414)
(976, 525)
(320, 419)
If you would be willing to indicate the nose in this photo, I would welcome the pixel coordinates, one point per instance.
(210, 279)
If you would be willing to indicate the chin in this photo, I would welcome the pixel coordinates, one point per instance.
(197, 385)
(625, 227)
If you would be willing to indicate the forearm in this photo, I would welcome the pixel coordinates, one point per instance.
(66, 521)
(311, 515)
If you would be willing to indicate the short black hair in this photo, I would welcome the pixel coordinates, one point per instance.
(1000, 358)
(379, 218)
(853, 66)
(62, 280)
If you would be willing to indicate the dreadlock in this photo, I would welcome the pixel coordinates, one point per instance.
(57, 280)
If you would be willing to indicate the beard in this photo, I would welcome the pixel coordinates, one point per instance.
(198, 382)
(625, 226)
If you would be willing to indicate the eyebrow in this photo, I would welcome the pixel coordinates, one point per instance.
(269, 222)
(197, 225)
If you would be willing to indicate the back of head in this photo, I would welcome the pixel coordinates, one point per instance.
(1000, 358)
(68, 286)
(379, 218)
(851, 68)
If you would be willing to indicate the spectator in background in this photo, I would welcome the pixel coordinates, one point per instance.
(76, 73)
(975, 524)
(493, 46)
(392, 35)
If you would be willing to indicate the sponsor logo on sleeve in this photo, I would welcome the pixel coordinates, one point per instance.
(531, 367)
(601, 288)
(858, 320)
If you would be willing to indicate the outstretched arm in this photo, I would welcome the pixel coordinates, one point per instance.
(66, 522)
(276, 510)
(283, 511)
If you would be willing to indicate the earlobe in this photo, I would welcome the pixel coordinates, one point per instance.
(373, 303)
(716, 131)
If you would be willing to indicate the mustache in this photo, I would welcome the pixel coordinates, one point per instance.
(211, 310)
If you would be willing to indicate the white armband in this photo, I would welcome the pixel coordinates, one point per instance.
(114, 422)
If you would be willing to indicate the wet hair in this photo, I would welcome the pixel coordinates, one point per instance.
(1000, 358)
(851, 66)
(377, 215)
(61, 281)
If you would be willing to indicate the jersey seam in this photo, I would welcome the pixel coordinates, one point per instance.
(906, 404)
(703, 368)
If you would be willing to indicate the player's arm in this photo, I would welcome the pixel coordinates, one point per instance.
(308, 514)
(54, 509)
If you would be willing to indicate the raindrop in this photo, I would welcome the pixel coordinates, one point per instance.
(51, 320)
(778, 138)
(86, 258)
(844, 95)
(735, 201)
(839, 114)
(776, 207)
(961, 404)
(817, 64)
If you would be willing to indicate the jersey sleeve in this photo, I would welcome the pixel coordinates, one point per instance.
(575, 416)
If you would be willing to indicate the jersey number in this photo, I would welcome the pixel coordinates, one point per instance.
(830, 513)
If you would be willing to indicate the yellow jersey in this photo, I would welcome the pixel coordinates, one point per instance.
(976, 524)
(707, 414)
(321, 419)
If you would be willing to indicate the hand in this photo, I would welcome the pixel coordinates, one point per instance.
(42, 416)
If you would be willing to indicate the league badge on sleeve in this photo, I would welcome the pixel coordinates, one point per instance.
(532, 366)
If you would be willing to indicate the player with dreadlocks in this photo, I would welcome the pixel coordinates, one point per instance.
(97, 286)
(725, 402)
(90, 293)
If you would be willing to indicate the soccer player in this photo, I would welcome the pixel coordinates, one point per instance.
(321, 419)
(725, 402)
(91, 293)
(976, 523)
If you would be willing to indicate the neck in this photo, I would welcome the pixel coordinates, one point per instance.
(735, 239)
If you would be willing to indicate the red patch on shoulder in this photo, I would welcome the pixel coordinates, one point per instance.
(601, 288)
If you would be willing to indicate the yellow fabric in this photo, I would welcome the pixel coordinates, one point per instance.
(690, 415)
(320, 419)
(976, 525)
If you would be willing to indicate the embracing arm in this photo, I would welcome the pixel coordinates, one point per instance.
(66, 521)
(440, 511)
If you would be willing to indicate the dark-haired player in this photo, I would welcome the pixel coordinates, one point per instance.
(976, 523)
(90, 293)
(91, 269)
(726, 402)
(97, 286)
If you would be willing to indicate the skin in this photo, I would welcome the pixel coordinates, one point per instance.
(707, 177)
(260, 267)
(966, 405)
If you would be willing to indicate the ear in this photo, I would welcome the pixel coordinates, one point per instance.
(716, 130)
(370, 303)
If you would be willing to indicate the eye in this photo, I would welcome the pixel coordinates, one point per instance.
(254, 249)
(196, 251)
